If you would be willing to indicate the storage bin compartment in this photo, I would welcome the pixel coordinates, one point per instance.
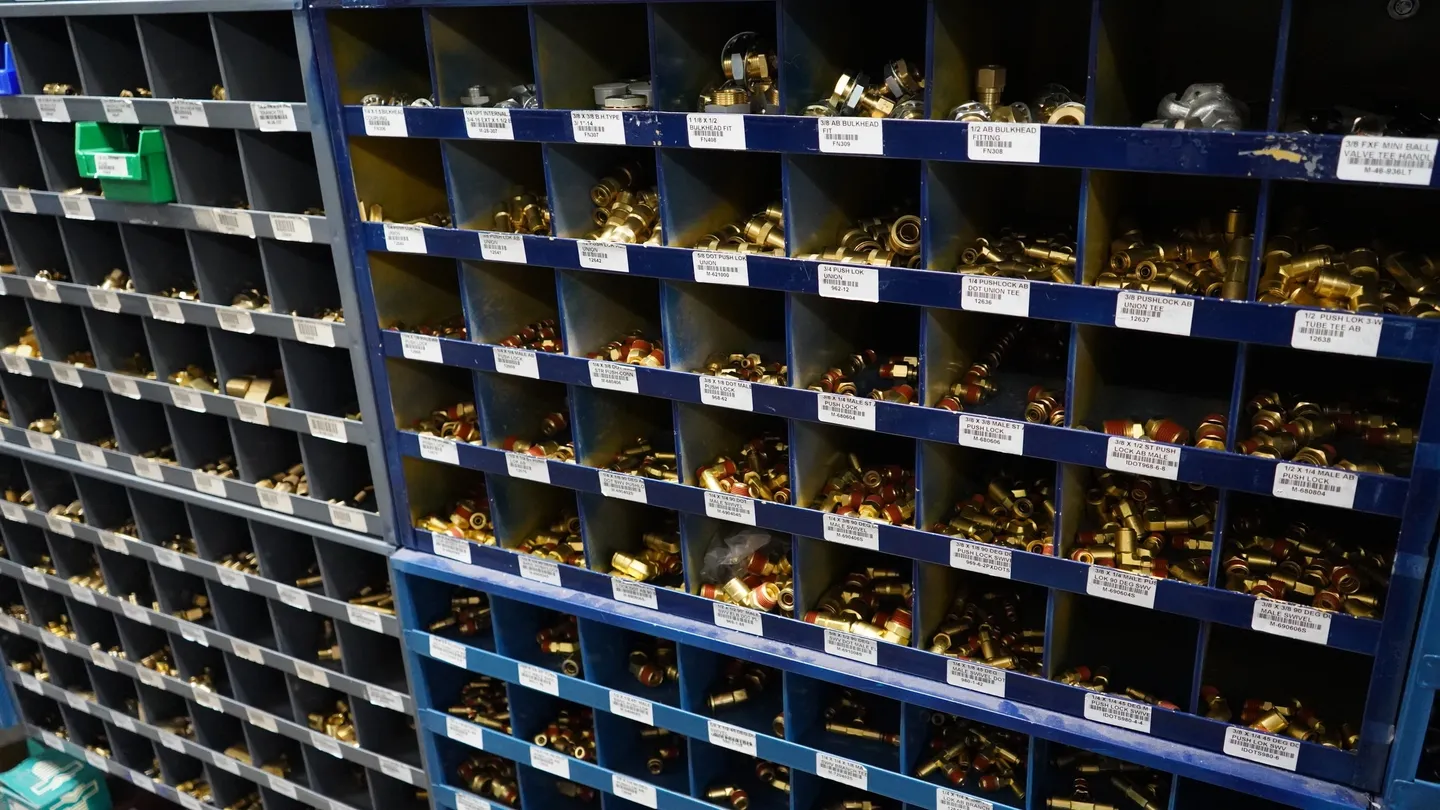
(1007, 206)
(227, 267)
(636, 664)
(501, 300)
(259, 58)
(711, 687)
(20, 164)
(320, 379)
(417, 294)
(1084, 651)
(180, 54)
(1070, 774)
(207, 167)
(718, 553)
(94, 249)
(301, 279)
(707, 324)
(41, 47)
(820, 41)
(981, 618)
(280, 171)
(718, 194)
(690, 42)
(130, 164)
(108, 51)
(485, 177)
(57, 157)
(847, 471)
(580, 46)
(705, 434)
(35, 246)
(400, 180)
(485, 46)
(831, 197)
(852, 724)
(581, 197)
(519, 628)
(536, 519)
(379, 52)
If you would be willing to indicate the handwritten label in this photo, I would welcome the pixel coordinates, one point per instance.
(1337, 332)
(1143, 457)
(451, 652)
(999, 435)
(404, 238)
(635, 791)
(541, 680)
(1147, 312)
(715, 131)
(727, 393)
(66, 374)
(329, 428)
(849, 645)
(856, 412)
(489, 124)
(187, 400)
(604, 256)
(731, 737)
(1367, 159)
(316, 333)
(275, 501)
(1298, 482)
(976, 677)
(622, 486)
(385, 122)
(982, 559)
(853, 282)
(849, 531)
(248, 651)
(76, 206)
(281, 117)
(19, 201)
(637, 709)
(123, 386)
(452, 548)
(721, 268)
(43, 290)
(614, 376)
(1114, 711)
(15, 364)
(1000, 296)
(112, 166)
(633, 593)
(733, 508)
(1291, 620)
(596, 126)
(851, 136)
(1004, 142)
(52, 109)
(235, 320)
(1121, 586)
(502, 247)
(188, 113)
(516, 362)
(1266, 749)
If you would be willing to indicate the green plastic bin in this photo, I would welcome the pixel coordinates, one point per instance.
(130, 166)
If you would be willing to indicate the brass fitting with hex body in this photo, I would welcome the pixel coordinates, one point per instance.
(1199, 259)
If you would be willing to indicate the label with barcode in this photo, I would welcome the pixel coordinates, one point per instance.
(385, 122)
(1000, 296)
(194, 634)
(731, 737)
(280, 117)
(188, 113)
(404, 238)
(634, 790)
(438, 449)
(311, 673)
(316, 333)
(12, 511)
(235, 320)
(727, 393)
(844, 771)
(105, 300)
(291, 228)
(252, 412)
(1266, 749)
(982, 559)
(231, 578)
(463, 732)
(734, 508)
(15, 364)
(225, 763)
(275, 501)
(715, 131)
(976, 677)
(637, 709)
(1148, 312)
(451, 652)
(850, 531)
(1004, 142)
(40, 442)
(855, 282)
(60, 525)
(1367, 159)
(208, 699)
(112, 166)
(712, 267)
(248, 651)
(19, 201)
(51, 740)
(385, 698)
(531, 468)
(842, 410)
(35, 578)
(52, 109)
(538, 570)
(283, 787)
(1121, 586)
(8, 624)
(114, 542)
(96, 760)
(125, 387)
(849, 645)
(66, 374)
(343, 517)
(187, 400)
(209, 484)
(502, 247)
(396, 770)
(118, 111)
(1143, 457)
(851, 136)
(622, 486)
(163, 309)
(76, 206)
(234, 222)
(489, 124)
(82, 594)
(516, 362)
(552, 762)
(464, 801)
(329, 428)
(294, 597)
(1299, 482)
(104, 660)
(1291, 620)
(614, 376)
(361, 616)
(327, 744)
(1338, 332)
(541, 680)
(604, 256)
(43, 290)
(1118, 712)
(172, 742)
(30, 683)
(452, 548)
(596, 126)
(136, 613)
(734, 617)
(999, 435)
(952, 800)
(421, 347)
(634, 593)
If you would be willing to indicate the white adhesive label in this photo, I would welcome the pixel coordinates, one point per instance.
(104, 660)
(844, 771)
(1142, 457)
(982, 559)
(316, 333)
(1114, 711)
(516, 362)
(721, 268)
(464, 801)
(169, 559)
(634, 708)
(502, 247)
(282, 786)
(51, 740)
(999, 435)
(343, 517)
(40, 441)
(1147, 312)
(37, 579)
(43, 290)
(538, 570)
(248, 651)
(604, 256)
(208, 699)
(541, 680)
(136, 613)
(61, 526)
(385, 122)
(225, 763)
(188, 113)
(552, 762)
(849, 645)
(1298, 482)
(15, 364)
(9, 625)
(163, 309)
(30, 683)
(614, 376)
(597, 126)
(731, 737)
(96, 761)
(727, 393)
(385, 698)
(733, 508)
(234, 222)
(280, 117)
(327, 744)
(438, 449)
(294, 597)
(1121, 586)
(1003, 142)
(1366, 159)
(105, 300)
(715, 131)
(1291, 620)
(291, 228)
(112, 166)
(1337, 332)
(451, 652)
(311, 673)
(734, 617)
(420, 347)
(76, 206)
(849, 411)
(187, 400)
(12, 511)
(635, 791)
(452, 548)
(633, 593)
(622, 486)
(66, 374)
(999, 296)
(531, 468)
(114, 542)
(52, 109)
(233, 579)
(235, 320)
(975, 677)
(951, 800)
(275, 501)
(851, 136)
(19, 201)
(123, 722)
(404, 238)
(848, 531)
(854, 282)
(194, 634)
(396, 770)
(329, 428)
(1266, 749)
(171, 742)
(82, 594)
(118, 111)
(489, 124)
(252, 412)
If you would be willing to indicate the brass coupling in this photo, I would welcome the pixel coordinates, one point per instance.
(880, 493)
(1098, 680)
(624, 210)
(1210, 434)
(751, 367)
(261, 390)
(561, 641)
(524, 212)
(491, 777)
(1294, 561)
(458, 422)
(653, 563)
(988, 628)
(640, 457)
(762, 581)
(898, 94)
(762, 472)
(539, 336)
(633, 348)
(468, 517)
(447, 328)
(993, 759)
(891, 241)
(892, 379)
(1308, 432)
(572, 733)
(560, 543)
(1147, 526)
(197, 378)
(469, 615)
(872, 602)
(253, 300)
(653, 664)
(553, 441)
(1291, 718)
(1197, 259)
(763, 232)
(26, 345)
(1014, 254)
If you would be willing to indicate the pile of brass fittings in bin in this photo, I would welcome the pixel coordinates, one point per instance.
(748, 65)
(987, 628)
(1102, 783)
(521, 96)
(198, 610)
(292, 480)
(469, 518)
(641, 458)
(337, 724)
(898, 94)
(762, 233)
(27, 345)
(1194, 260)
(483, 701)
(1148, 526)
(627, 96)
(1038, 344)
(634, 348)
(396, 100)
(1014, 254)
(198, 789)
(763, 581)
(738, 683)
(312, 579)
(659, 564)
(469, 616)
(117, 279)
(252, 299)
(490, 777)
(891, 379)
(764, 471)
(85, 359)
(180, 726)
(524, 212)
(52, 275)
(728, 795)
(561, 542)
(883, 493)
(60, 627)
(572, 733)
(624, 212)
(267, 390)
(1288, 718)
(136, 365)
(44, 564)
(448, 328)
(49, 425)
(540, 336)
(653, 663)
(161, 661)
(1054, 105)
(562, 640)
(329, 649)
(548, 446)
(663, 749)
(245, 562)
(1201, 106)
(1210, 434)
(848, 715)
(59, 89)
(376, 213)
(203, 680)
(182, 544)
(73, 510)
(1299, 562)
(196, 378)
(375, 597)
(974, 755)
(1286, 427)
(892, 241)
(749, 367)
(457, 422)
(250, 801)
(873, 602)
(1098, 680)
(94, 580)
(1306, 270)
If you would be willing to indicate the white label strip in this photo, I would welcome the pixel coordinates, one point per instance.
(188, 113)
(614, 376)
(622, 486)
(727, 393)
(999, 435)
(235, 320)
(279, 117)
(1299, 482)
(451, 547)
(1367, 159)
(163, 309)
(720, 268)
(1266, 749)
(982, 559)
(76, 206)
(1114, 711)
(853, 282)
(541, 680)
(604, 256)
(1003, 142)
(1121, 586)
(844, 771)
(732, 737)
(849, 645)
(1147, 312)
(634, 593)
(1000, 296)
(502, 247)
(19, 201)
(516, 362)
(849, 531)
(637, 709)
(404, 238)
(1143, 457)
(715, 131)
(552, 762)
(438, 449)
(1290, 620)
(385, 122)
(634, 790)
(596, 126)
(329, 428)
(734, 617)
(1337, 332)
(489, 124)
(851, 136)
(858, 412)
(733, 508)
(66, 374)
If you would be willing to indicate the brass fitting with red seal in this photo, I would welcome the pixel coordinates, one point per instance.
(572, 733)
(1300, 562)
(633, 348)
(750, 367)
(1147, 526)
(491, 777)
(964, 752)
(1321, 435)
(1010, 512)
(762, 581)
(873, 602)
(761, 470)
(1291, 718)
(878, 493)
(539, 336)
(988, 628)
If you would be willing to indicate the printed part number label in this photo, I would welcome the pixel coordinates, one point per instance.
(635, 791)
(15, 364)
(248, 651)
(951, 800)
(622, 486)
(234, 222)
(317, 333)
(1001, 296)
(489, 124)
(597, 126)
(1004, 143)
(13, 511)
(731, 737)
(463, 732)
(516, 362)
(291, 228)
(40, 441)
(52, 109)
(135, 613)
(851, 411)
(118, 111)
(855, 282)
(550, 761)
(503, 247)
(721, 268)
(614, 376)
(125, 387)
(1337, 332)
(976, 677)
(733, 508)
(851, 136)
(60, 525)
(278, 117)
(848, 531)
(330, 428)
(734, 617)
(115, 166)
(1143, 457)
(233, 579)
(1114, 711)
(311, 673)
(385, 122)
(114, 542)
(1365, 159)
(235, 320)
(999, 435)
(420, 347)
(637, 709)
(187, 400)
(1121, 586)
(539, 570)
(849, 645)
(294, 597)
(1299, 482)
(1147, 312)
(208, 699)
(19, 201)
(452, 548)
(76, 206)
(980, 558)
(43, 290)
(209, 484)
(438, 449)
(104, 300)
(464, 801)
(396, 770)
(604, 256)
(727, 393)
(541, 680)
(404, 238)
(283, 787)
(252, 412)
(362, 616)
(844, 771)
(327, 744)
(1266, 749)
(67, 375)
(276, 501)
(634, 593)
(35, 578)
(163, 309)
(715, 131)
(1291, 620)
(188, 113)
(531, 468)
